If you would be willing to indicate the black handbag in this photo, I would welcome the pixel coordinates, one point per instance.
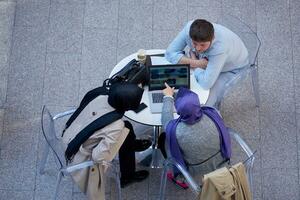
(133, 72)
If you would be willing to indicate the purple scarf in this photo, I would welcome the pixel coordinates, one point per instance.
(189, 110)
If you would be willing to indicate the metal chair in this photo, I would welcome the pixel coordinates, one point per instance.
(252, 42)
(193, 185)
(54, 143)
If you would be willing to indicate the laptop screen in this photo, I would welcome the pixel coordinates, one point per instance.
(175, 75)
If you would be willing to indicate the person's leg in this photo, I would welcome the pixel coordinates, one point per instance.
(127, 159)
(127, 154)
(216, 93)
(161, 144)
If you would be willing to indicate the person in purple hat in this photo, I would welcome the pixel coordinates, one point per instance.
(198, 139)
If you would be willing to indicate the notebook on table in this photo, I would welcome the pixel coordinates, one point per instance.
(176, 75)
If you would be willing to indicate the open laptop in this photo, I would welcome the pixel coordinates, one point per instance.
(177, 76)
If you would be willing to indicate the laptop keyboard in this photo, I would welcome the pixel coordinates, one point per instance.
(158, 97)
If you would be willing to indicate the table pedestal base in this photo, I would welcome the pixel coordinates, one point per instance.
(157, 159)
(152, 156)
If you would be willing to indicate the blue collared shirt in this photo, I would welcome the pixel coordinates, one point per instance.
(226, 53)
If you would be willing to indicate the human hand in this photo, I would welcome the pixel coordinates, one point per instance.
(201, 63)
(168, 91)
(193, 55)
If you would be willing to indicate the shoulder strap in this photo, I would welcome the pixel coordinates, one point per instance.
(88, 97)
(85, 133)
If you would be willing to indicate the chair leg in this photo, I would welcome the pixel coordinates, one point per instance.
(59, 175)
(255, 85)
(163, 183)
(44, 159)
(118, 184)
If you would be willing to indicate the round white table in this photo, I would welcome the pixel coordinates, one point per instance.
(154, 119)
(145, 116)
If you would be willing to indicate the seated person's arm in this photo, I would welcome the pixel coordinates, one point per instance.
(193, 61)
(174, 53)
(168, 102)
(110, 141)
(207, 78)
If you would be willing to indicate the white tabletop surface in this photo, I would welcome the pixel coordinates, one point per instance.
(145, 116)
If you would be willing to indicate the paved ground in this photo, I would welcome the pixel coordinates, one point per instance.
(53, 51)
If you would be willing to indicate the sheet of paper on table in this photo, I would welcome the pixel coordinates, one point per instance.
(159, 60)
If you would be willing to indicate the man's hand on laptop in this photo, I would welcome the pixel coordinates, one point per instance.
(168, 91)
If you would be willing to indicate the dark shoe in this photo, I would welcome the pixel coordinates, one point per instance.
(141, 145)
(137, 177)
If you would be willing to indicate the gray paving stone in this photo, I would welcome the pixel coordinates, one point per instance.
(209, 10)
(277, 90)
(17, 176)
(239, 111)
(135, 191)
(45, 186)
(69, 1)
(169, 15)
(171, 188)
(66, 27)
(162, 39)
(296, 58)
(98, 53)
(29, 46)
(172, 197)
(137, 16)
(294, 8)
(237, 9)
(89, 84)
(101, 14)
(25, 91)
(17, 119)
(14, 147)
(271, 25)
(298, 133)
(19, 194)
(1, 126)
(7, 14)
(3, 78)
(32, 13)
(79, 196)
(61, 83)
(27, 60)
(5, 39)
(135, 27)
(280, 183)
(278, 144)
(295, 24)
(129, 41)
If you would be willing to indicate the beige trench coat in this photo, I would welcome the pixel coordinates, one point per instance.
(104, 144)
(226, 184)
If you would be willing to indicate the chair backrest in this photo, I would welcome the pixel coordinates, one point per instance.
(48, 130)
(243, 30)
(194, 186)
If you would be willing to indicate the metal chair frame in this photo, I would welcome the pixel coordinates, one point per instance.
(193, 185)
(242, 29)
(63, 170)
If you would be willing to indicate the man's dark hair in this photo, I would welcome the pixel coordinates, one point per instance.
(201, 31)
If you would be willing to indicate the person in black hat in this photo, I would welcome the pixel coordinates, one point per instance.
(84, 139)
